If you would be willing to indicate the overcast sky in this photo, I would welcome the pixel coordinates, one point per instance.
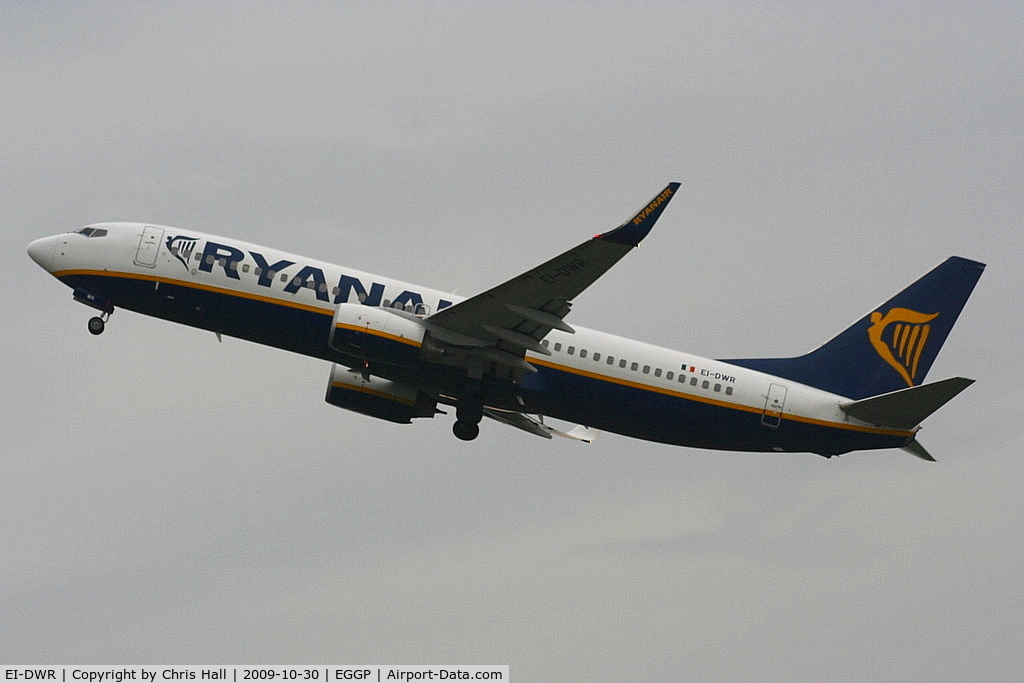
(168, 499)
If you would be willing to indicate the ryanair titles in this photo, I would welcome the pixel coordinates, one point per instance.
(653, 206)
(232, 261)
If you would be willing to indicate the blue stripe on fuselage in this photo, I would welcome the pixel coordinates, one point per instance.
(300, 328)
(599, 402)
(675, 418)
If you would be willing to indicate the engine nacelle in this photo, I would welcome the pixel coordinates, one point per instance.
(376, 334)
(377, 397)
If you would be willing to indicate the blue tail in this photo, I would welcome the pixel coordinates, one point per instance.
(890, 348)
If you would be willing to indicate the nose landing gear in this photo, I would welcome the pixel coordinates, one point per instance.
(98, 323)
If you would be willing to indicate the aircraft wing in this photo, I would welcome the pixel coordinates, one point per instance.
(516, 315)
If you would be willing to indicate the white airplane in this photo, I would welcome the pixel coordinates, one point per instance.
(400, 350)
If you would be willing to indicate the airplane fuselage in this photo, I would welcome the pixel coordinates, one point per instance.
(603, 381)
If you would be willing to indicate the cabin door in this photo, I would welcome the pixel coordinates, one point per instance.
(773, 406)
(149, 245)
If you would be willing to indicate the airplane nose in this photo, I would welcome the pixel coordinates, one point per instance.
(41, 251)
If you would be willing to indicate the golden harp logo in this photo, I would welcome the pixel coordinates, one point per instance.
(899, 338)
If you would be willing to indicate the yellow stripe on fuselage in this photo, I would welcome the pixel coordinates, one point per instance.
(534, 361)
(717, 402)
(196, 285)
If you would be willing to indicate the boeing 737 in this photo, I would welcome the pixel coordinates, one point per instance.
(400, 351)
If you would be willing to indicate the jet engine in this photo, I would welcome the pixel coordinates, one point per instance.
(377, 334)
(377, 397)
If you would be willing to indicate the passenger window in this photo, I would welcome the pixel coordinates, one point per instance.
(558, 346)
(611, 360)
(693, 381)
(718, 387)
(571, 350)
(682, 379)
(209, 260)
(622, 363)
(647, 369)
(728, 390)
(705, 384)
(583, 353)
(544, 343)
(657, 372)
(634, 366)
(670, 375)
(284, 277)
(597, 357)
(245, 267)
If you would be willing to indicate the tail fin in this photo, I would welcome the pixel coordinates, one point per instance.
(890, 348)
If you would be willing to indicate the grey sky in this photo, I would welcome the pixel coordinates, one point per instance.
(166, 498)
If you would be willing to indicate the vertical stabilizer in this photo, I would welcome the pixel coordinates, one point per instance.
(893, 346)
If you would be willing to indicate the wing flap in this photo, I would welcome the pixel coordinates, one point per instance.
(539, 428)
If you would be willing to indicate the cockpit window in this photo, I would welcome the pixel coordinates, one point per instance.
(93, 232)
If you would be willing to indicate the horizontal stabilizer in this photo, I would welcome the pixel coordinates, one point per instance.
(908, 407)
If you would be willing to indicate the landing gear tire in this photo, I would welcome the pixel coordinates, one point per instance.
(467, 431)
(97, 325)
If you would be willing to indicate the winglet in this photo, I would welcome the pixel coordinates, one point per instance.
(636, 228)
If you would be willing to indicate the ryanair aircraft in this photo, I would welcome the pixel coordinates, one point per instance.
(400, 351)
